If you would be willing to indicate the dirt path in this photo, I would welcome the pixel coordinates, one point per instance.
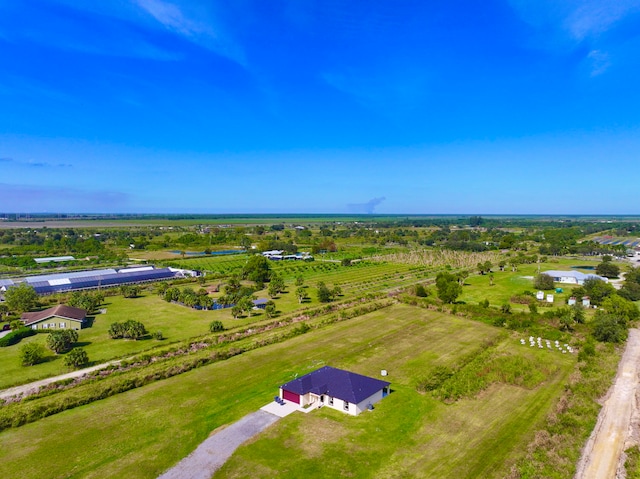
(30, 388)
(602, 455)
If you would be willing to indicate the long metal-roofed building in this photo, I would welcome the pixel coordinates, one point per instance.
(93, 279)
(5, 283)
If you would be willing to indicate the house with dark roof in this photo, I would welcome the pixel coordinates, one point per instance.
(335, 388)
(58, 317)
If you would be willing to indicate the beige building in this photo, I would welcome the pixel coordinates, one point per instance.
(58, 317)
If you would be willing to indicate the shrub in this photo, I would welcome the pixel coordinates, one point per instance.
(76, 358)
(608, 328)
(301, 329)
(31, 354)
(61, 341)
(543, 281)
(588, 349)
(128, 330)
(324, 293)
(216, 326)
(158, 335)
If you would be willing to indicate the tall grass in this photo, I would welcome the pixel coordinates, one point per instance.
(440, 258)
(555, 449)
(487, 367)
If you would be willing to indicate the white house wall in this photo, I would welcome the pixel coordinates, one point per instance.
(374, 398)
(313, 400)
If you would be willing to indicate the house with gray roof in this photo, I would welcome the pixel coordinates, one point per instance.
(335, 388)
(572, 277)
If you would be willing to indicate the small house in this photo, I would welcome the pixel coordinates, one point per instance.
(335, 388)
(540, 295)
(572, 301)
(260, 303)
(58, 317)
(586, 301)
(572, 277)
(549, 298)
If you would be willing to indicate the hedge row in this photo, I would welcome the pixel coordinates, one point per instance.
(15, 336)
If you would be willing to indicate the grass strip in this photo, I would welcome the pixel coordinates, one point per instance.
(555, 449)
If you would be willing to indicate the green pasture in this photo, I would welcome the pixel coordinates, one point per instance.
(175, 321)
(508, 283)
(141, 433)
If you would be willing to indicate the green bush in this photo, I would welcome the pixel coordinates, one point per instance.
(31, 354)
(421, 291)
(15, 336)
(61, 341)
(543, 281)
(608, 328)
(216, 326)
(128, 330)
(76, 358)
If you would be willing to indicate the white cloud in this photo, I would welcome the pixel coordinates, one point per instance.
(595, 17)
(562, 25)
(577, 19)
(599, 62)
(206, 33)
(172, 18)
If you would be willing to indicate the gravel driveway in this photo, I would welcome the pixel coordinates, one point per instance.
(214, 451)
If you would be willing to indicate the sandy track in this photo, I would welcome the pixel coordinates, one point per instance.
(31, 388)
(603, 452)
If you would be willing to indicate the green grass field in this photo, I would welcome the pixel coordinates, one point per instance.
(507, 283)
(140, 433)
(178, 322)
(175, 321)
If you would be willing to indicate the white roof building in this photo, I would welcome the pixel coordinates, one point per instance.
(572, 277)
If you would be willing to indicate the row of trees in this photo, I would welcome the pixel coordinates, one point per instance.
(187, 296)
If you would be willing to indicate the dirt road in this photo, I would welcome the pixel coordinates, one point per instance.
(602, 454)
(30, 388)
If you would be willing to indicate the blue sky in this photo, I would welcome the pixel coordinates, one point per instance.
(308, 106)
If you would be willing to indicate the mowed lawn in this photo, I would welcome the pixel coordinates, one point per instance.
(176, 322)
(507, 283)
(141, 433)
